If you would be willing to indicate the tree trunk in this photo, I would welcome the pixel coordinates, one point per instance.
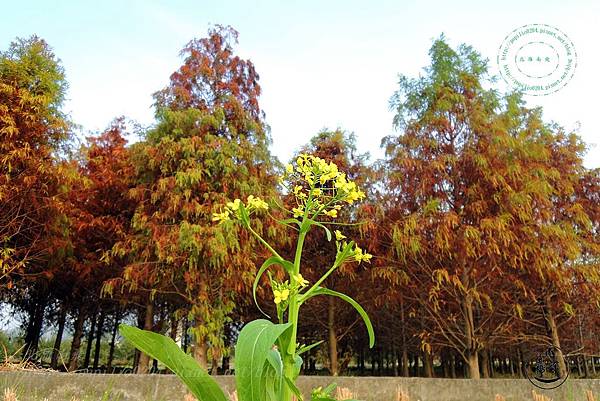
(99, 333)
(361, 362)
(472, 366)
(111, 351)
(136, 359)
(186, 339)
(553, 332)
(521, 363)
(586, 368)
(62, 317)
(453, 366)
(415, 365)
(34, 328)
(90, 340)
(445, 365)
(511, 363)
(214, 365)
(173, 329)
(405, 362)
(144, 361)
(333, 351)
(428, 364)
(485, 363)
(470, 352)
(76, 343)
(200, 352)
(225, 365)
(200, 348)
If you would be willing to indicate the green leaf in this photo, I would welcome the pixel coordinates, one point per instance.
(323, 394)
(244, 216)
(273, 375)
(356, 305)
(251, 353)
(164, 349)
(297, 366)
(306, 348)
(288, 266)
(290, 221)
(294, 388)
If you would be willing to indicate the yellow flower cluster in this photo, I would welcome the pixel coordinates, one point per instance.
(282, 291)
(281, 295)
(359, 255)
(253, 203)
(323, 183)
(301, 281)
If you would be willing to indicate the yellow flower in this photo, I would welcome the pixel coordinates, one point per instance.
(300, 280)
(297, 212)
(316, 192)
(281, 295)
(221, 217)
(361, 256)
(339, 236)
(257, 203)
(289, 169)
(235, 205)
(331, 213)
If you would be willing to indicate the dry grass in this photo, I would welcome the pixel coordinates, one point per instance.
(401, 395)
(342, 393)
(8, 366)
(539, 397)
(9, 395)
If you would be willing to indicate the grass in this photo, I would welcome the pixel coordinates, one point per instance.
(342, 393)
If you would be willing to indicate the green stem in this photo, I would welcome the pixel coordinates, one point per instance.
(265, 243)
(294, 306)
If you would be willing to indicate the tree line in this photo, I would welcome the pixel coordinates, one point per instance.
(482, 219)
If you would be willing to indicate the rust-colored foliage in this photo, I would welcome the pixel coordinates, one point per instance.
(32, 88)
(483, 211)
(210, 145)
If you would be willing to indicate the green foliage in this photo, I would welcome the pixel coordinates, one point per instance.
(184, 366)
(267, 355)
(259, 367)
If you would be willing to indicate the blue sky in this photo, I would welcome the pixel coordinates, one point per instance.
(322, 64)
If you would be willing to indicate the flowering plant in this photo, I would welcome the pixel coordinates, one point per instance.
(267, 355)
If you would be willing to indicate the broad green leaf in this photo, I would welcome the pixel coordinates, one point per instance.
(164, 349)
(288, 266)
(356, 305)
(252, 350)
(273, 375)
